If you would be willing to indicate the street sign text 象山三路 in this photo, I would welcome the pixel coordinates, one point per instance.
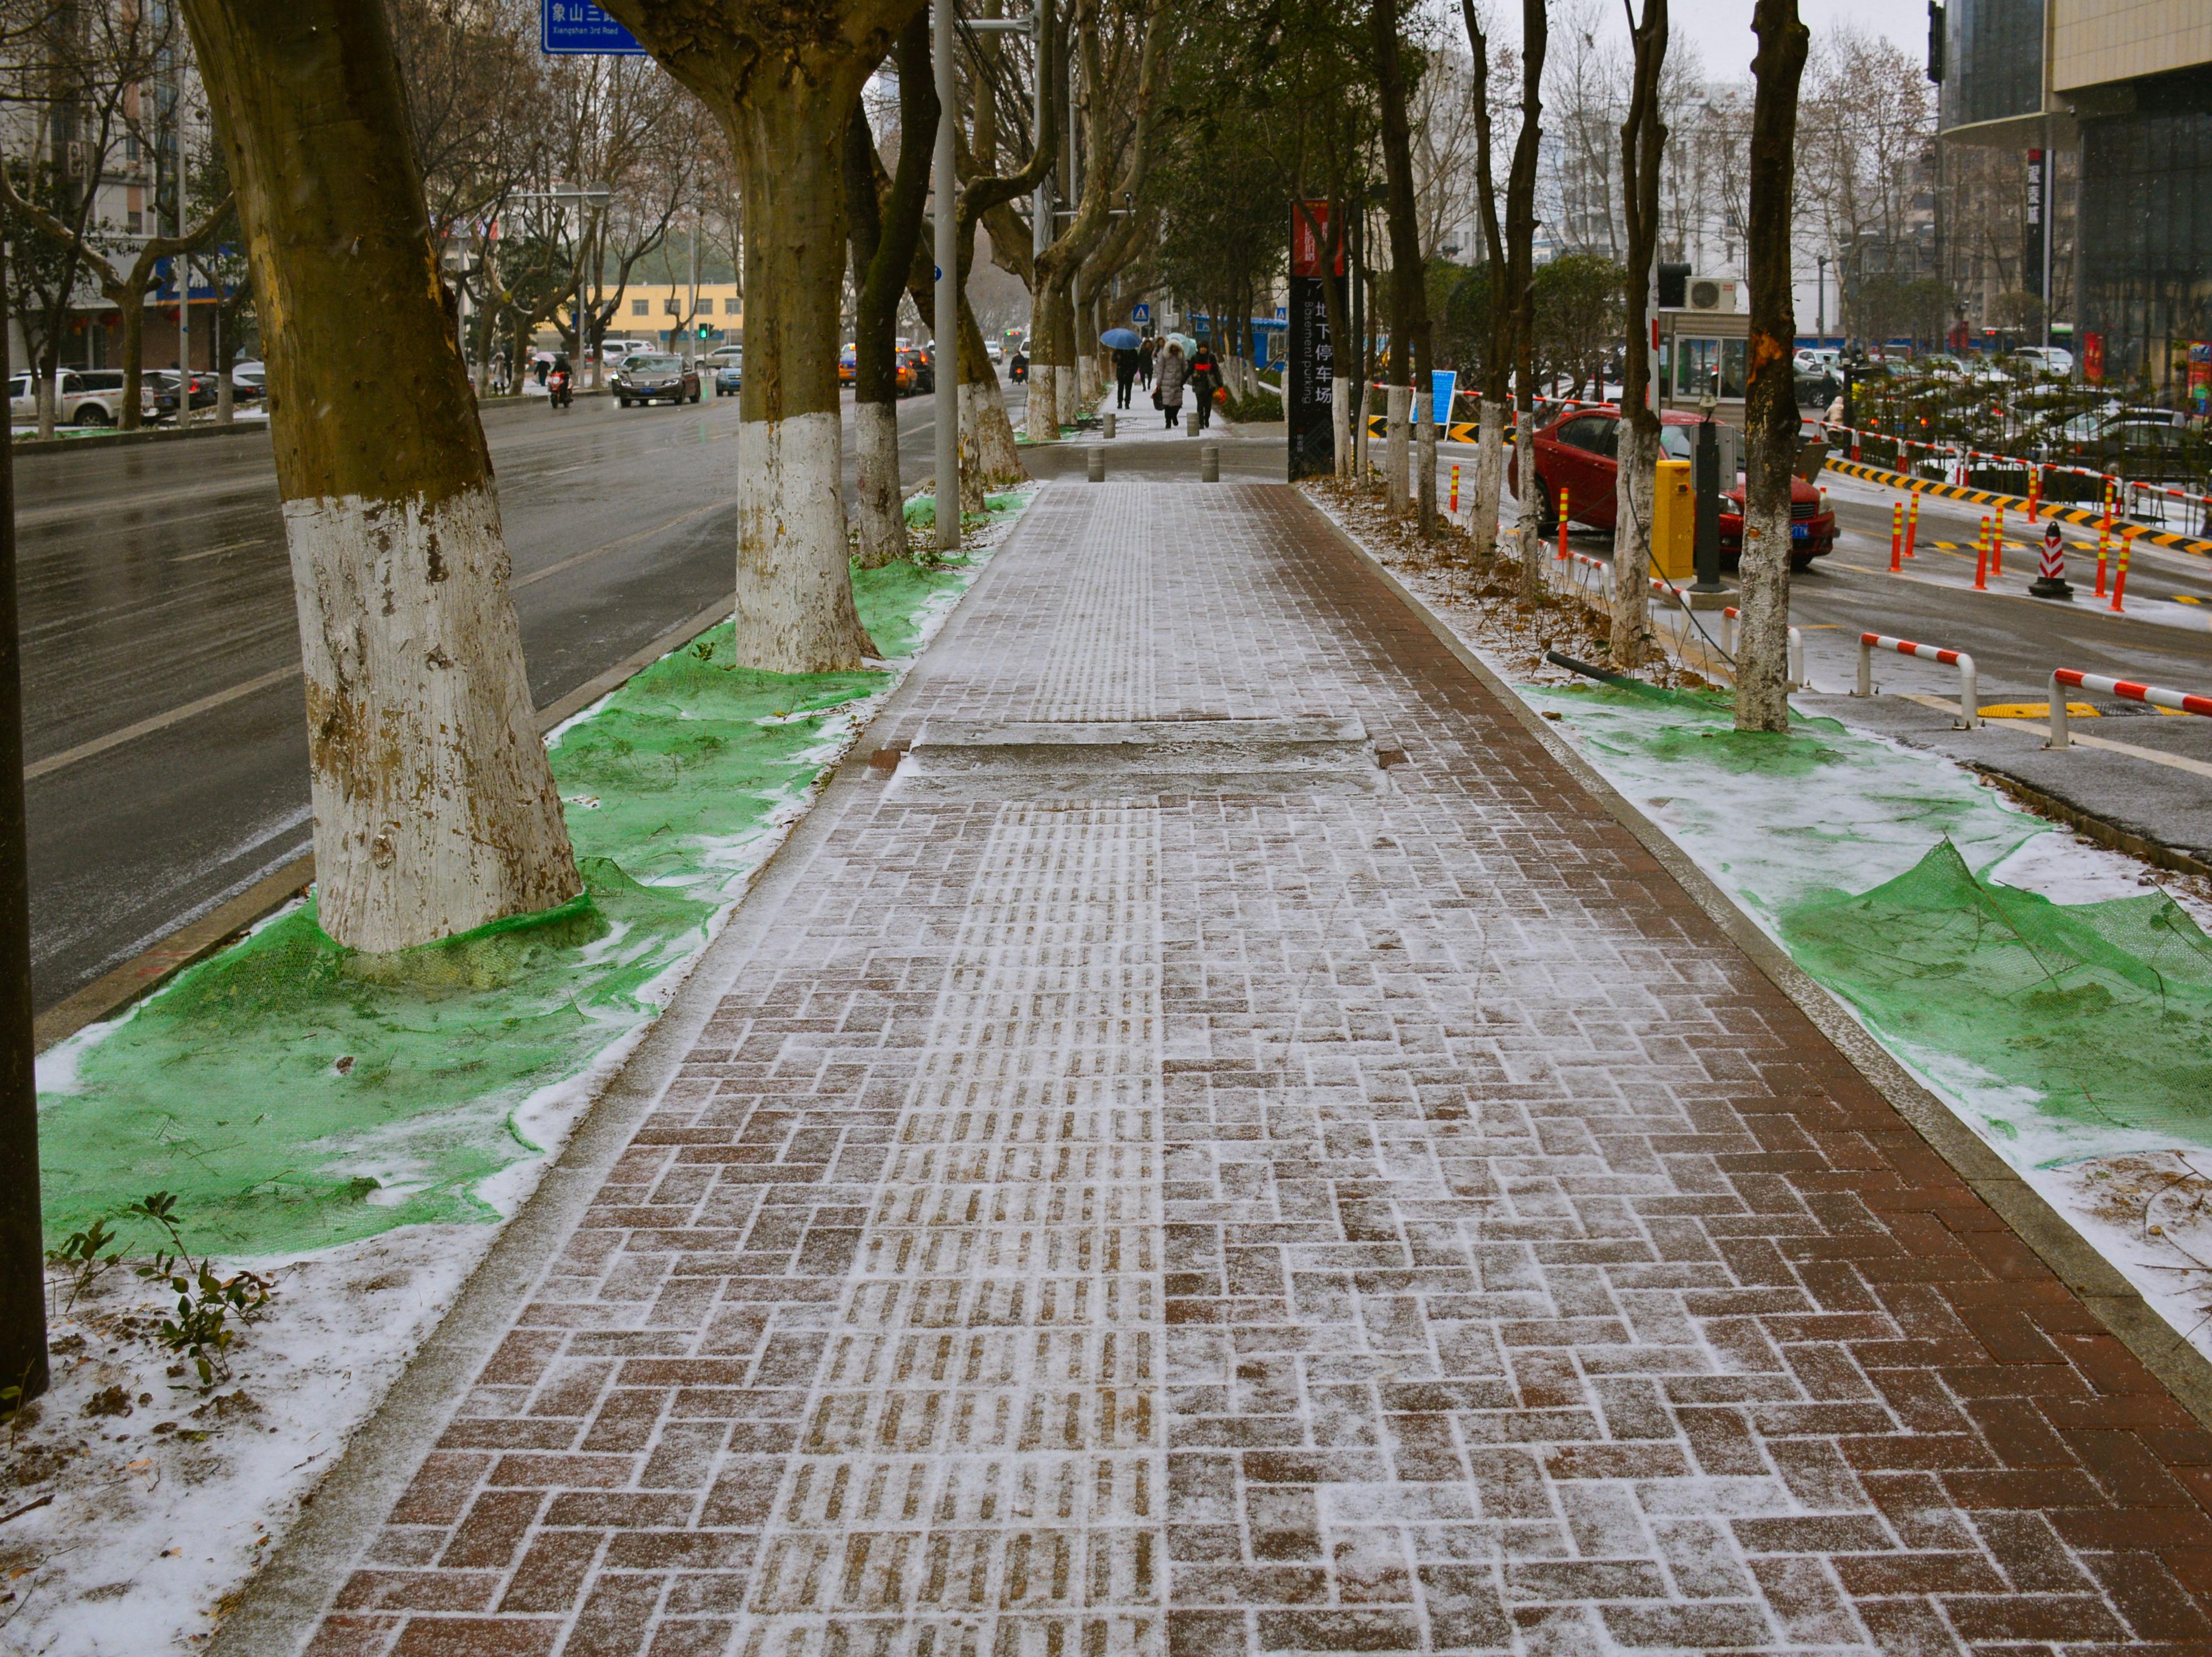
(579, 28)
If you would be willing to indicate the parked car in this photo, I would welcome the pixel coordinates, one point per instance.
(161, 390)
(249, 382)
(2052, 359)
(729, 375)
(1578, 452)
(82, 396)
(655, 377)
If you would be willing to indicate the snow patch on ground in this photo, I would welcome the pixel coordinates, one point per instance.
(124, 1534)
(152, 1516)
(1769, 841)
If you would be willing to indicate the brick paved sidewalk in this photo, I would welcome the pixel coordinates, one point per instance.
(1384, 1215)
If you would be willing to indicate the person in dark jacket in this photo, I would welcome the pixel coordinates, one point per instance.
(1125, 375)
(1148, 361)
(1205, 381)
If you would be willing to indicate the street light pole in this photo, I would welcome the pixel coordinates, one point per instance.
(948, 287)
(23, 1241)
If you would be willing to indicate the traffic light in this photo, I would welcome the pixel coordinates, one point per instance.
(706, 330)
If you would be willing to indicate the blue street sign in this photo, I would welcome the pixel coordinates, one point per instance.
(1443, 383)
(1140, 313)
(577, 28)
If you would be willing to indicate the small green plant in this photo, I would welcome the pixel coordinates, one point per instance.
(87, 1256)
(206, 1304)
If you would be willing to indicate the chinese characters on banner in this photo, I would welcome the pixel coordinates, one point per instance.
(2200, 377)
(2093, 358)
(2031, 251)
(1310, 365)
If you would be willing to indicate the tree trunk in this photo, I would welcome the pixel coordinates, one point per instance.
(23, 1362)
(134, 362)
(883, 509)
(1066, 380)
(1411, 362)
(984, 427)
(1770, 409)
(885, 232)
(49, 366)
(1642, 138)
(1520, 292)
(435, 807)
(1489, 475)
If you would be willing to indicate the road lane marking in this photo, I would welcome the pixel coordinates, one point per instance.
(2176, 761)
(537, 575)
(146, 727)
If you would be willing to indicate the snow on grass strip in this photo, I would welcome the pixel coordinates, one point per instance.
(2062, 1030)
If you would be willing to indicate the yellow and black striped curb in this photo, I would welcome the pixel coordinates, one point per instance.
(1988, 498)
(1459, 431)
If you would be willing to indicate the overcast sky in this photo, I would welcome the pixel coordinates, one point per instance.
(1721, 28)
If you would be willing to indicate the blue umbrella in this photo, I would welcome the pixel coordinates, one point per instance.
(1120, 339)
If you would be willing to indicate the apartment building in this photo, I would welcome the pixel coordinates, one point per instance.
(2124, 88)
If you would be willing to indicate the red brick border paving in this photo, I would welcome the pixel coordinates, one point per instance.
(1216, 1225)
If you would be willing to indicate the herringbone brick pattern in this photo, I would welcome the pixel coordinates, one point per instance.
(1202, 1226)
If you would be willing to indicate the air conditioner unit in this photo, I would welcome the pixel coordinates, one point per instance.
(1715, 294)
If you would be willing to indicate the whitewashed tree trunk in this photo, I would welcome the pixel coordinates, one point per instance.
(1489, 477)
(1528, 520)
(1632, 544)
(1044, 421)
(987, 432)
(794, 588)
(46, 403)
(1340, 423)
(1397, 465)
(1762, 651)
(882, 512)
(433, 808)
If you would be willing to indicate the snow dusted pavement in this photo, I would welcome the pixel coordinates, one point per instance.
(1226, 1147)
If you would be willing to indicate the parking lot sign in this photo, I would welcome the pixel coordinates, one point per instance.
(571, 28)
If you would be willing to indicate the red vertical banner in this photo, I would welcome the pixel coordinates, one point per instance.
(1308, 233)
(2093, 358)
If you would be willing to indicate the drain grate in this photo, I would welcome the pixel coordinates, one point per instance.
(1125, 759)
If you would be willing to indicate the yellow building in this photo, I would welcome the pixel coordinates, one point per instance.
(657, 310)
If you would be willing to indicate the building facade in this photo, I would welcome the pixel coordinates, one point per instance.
(2117, 94)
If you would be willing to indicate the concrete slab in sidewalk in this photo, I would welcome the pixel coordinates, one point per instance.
(1158, 1219)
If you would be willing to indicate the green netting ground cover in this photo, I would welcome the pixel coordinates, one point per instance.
(2066, 1030)
(297, 1095)
(921, 509)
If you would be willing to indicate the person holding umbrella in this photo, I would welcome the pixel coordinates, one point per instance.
(1123, 343)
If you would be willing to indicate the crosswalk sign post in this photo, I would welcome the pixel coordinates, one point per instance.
(577, 28)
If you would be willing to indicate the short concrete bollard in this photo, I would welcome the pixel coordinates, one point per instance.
(1209, 463)
(1098, 460)
(1109, 425)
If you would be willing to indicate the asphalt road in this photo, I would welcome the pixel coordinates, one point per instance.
(164, 731)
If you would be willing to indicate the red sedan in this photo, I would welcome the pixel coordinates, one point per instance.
(1576, 451)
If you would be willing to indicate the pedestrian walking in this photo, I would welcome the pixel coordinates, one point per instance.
(1125, 375)
(1149, 358)
(1167, 392)
(1205, 381)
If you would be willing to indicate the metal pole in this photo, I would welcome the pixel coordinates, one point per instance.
(22, 1242)
(948, 288)
(184, 326)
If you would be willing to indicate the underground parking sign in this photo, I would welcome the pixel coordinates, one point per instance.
(573, 28)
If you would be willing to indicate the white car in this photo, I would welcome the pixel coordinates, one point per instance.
(82, 396)
(2052, 359)
(995, 351)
